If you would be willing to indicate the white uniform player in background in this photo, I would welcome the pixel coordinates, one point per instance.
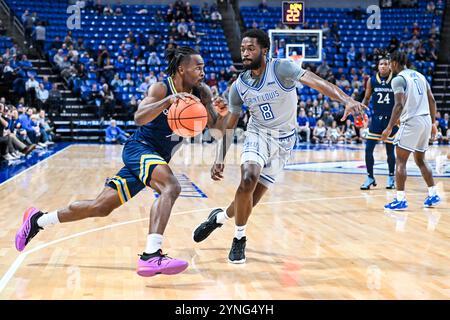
(415, 107)
(268, 89)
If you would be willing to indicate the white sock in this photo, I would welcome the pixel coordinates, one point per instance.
(48, 219)
(222, 217)
(239, 232)
(432, 191)
(401, 195)
(154, 242)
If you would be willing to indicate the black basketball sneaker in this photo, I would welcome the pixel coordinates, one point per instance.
(204, 230)
(237, 252)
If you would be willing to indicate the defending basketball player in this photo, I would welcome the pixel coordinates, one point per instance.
(268, 88)
(146, 156)
(379, 87)
(415, 107)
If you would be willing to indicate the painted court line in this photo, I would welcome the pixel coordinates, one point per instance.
(36, 164)
(17, 263)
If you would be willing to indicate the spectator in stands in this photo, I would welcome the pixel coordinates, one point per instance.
(46, 125)
(26, 123)
(263, 7)
(158, 17)
(182, 27)
(303, 125)
(116, 83)
(152, 78)
(205, 13)
(108, 11)
(31, 87)
(443, 124)
(144, 86)
(216, 17)
(56, 43)
(311, 120)
(151, 46)
(28, 26)
(189, 14)
(393, 44)
(55, 99)
(42, 95)
(351, 56)
(212, 81)
(47, 84)
(118, 12)
(416, 29)
(334, 134)
(128, 82)
(113, 133)
(108, 102)
(415, 42)
(103, 56)
(40, 36)
(194, 35)
(153, 59)
(58, 59)
(349, 131)
(131, 107)
(319, 133)
(323, 69)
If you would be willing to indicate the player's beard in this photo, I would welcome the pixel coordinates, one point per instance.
(256, 64)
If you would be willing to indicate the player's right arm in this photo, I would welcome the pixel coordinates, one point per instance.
(368, 94)
(155, 102)
(432, 106)
(234, 107)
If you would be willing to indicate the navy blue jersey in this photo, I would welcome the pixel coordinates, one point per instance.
(382, 95)
(157, 133)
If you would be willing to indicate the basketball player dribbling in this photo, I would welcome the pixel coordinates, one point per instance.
(268, 89)
(415, 107)
(379, 87)
(146, 156)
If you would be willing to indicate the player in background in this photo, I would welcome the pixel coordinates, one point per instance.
(415, 107)
(379, 89)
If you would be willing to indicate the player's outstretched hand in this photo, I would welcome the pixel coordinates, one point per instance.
(217, 171)
(353, 107)
(221, 106)
(183, 96)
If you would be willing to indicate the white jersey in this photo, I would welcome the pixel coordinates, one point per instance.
(272, 106)
(416, 98)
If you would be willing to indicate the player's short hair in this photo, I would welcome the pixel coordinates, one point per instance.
(261, 37)
(399, 57)
(176, 56)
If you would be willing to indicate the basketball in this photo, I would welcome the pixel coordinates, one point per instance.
(187, 118)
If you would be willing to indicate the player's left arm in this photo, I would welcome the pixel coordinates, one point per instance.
(289, 71)
(432, 106)
(216, 108)
(334, 92)
(399, 86)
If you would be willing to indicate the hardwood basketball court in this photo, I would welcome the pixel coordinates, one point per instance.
(314, 236)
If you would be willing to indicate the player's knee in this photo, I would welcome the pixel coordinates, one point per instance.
(172, 190)
(248, 182)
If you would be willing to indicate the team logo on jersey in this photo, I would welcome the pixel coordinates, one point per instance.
(356, 167)
(166, 111)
